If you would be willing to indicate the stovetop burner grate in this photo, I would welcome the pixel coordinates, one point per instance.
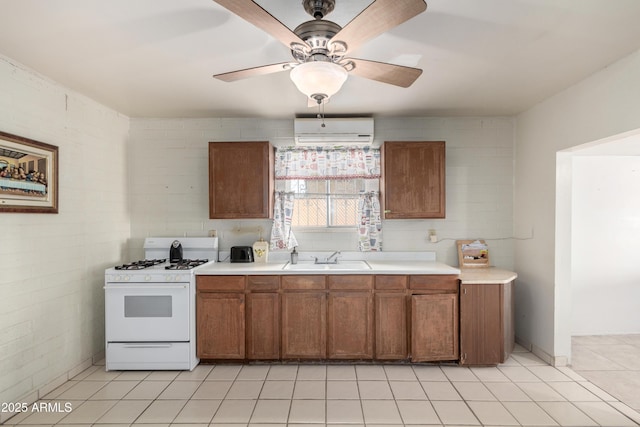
(186, 264)
(140, 265)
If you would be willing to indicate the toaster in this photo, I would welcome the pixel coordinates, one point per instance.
(241, 254)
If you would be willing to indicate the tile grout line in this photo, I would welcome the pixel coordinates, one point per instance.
(357, 381)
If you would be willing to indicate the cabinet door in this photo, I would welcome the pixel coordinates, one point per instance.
(304, 328)
(414, 179)
(350, 334)
(263, 326)
(481, 325)
(391, 325)
(220, 325)
(434, 327)
(240, 180)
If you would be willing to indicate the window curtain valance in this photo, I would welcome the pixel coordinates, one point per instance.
(327, 163)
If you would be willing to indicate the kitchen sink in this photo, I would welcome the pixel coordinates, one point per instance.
(339, 266)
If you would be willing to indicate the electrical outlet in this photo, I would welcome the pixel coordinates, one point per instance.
(213, 233)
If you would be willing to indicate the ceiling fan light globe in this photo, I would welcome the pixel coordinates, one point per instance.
(319, 77)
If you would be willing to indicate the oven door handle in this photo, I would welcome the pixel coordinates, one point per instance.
(145, 287)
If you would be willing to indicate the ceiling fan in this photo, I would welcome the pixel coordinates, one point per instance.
(320, 47)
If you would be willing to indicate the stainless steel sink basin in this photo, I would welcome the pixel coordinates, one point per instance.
(339, 266)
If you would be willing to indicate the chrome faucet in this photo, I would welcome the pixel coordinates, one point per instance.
(327, 260)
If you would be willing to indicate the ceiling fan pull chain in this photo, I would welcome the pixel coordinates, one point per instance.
(320, 100)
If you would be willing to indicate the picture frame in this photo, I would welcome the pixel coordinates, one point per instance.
(28, 175)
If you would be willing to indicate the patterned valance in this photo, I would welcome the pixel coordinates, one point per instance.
(327, 163)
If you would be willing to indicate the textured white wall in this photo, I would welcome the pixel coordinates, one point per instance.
(605, 104)
(605, 245)
(170, 183)
(52, 265)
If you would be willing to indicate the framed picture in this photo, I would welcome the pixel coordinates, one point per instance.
(28, 175)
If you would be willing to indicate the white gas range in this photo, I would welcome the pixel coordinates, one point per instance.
(150, 306)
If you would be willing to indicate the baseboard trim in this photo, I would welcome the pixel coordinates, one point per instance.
(546, 357)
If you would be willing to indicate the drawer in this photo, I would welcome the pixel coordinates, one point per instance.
(393, 282)
(220, 283)
(304, 282)
(147, 356)
(263, 283)
(351, 282)
(434, 282)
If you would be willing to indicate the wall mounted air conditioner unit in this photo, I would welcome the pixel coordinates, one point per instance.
(342, 131)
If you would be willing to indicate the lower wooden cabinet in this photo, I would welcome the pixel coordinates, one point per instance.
(391, 326)
(486, 324)
(304, 325)
(434, 327)
(388, 317)
(263, 326)
(220, 325)
(350, 334)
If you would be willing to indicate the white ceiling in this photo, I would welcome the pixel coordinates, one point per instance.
(156, 58)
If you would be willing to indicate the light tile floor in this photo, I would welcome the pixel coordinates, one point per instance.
(522, 392)
(611, 362)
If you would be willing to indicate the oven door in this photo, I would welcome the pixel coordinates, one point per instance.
(146, 312)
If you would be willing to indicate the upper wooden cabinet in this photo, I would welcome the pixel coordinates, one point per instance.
(240, 180)
(413, 179)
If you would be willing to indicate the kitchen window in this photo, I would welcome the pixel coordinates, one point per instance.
(327, 188)
(327, 203)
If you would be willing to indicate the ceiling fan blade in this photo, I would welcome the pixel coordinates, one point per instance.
(232, 76)
(379, 17)
(397, 75)
(256, 15)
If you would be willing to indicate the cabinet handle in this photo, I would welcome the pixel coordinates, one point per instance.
(464, 290)
(387, 211)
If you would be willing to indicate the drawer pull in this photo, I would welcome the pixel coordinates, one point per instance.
(147, 346)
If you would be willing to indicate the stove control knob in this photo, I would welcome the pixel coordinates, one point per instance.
(147, 278)
(119, 278)
(167, 278)
(126, 278)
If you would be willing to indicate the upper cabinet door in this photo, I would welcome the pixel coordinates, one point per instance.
(413, 179)
(240, 180)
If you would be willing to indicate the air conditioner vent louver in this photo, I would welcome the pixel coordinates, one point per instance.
(352, 131)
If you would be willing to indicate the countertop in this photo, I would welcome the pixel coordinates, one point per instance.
(377, 267)
(485, 276)
(379, 263)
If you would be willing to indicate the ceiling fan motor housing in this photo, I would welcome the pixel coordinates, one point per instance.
(317, 35)
(318, 8)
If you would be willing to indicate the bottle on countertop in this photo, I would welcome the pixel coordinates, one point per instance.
(294, 256)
